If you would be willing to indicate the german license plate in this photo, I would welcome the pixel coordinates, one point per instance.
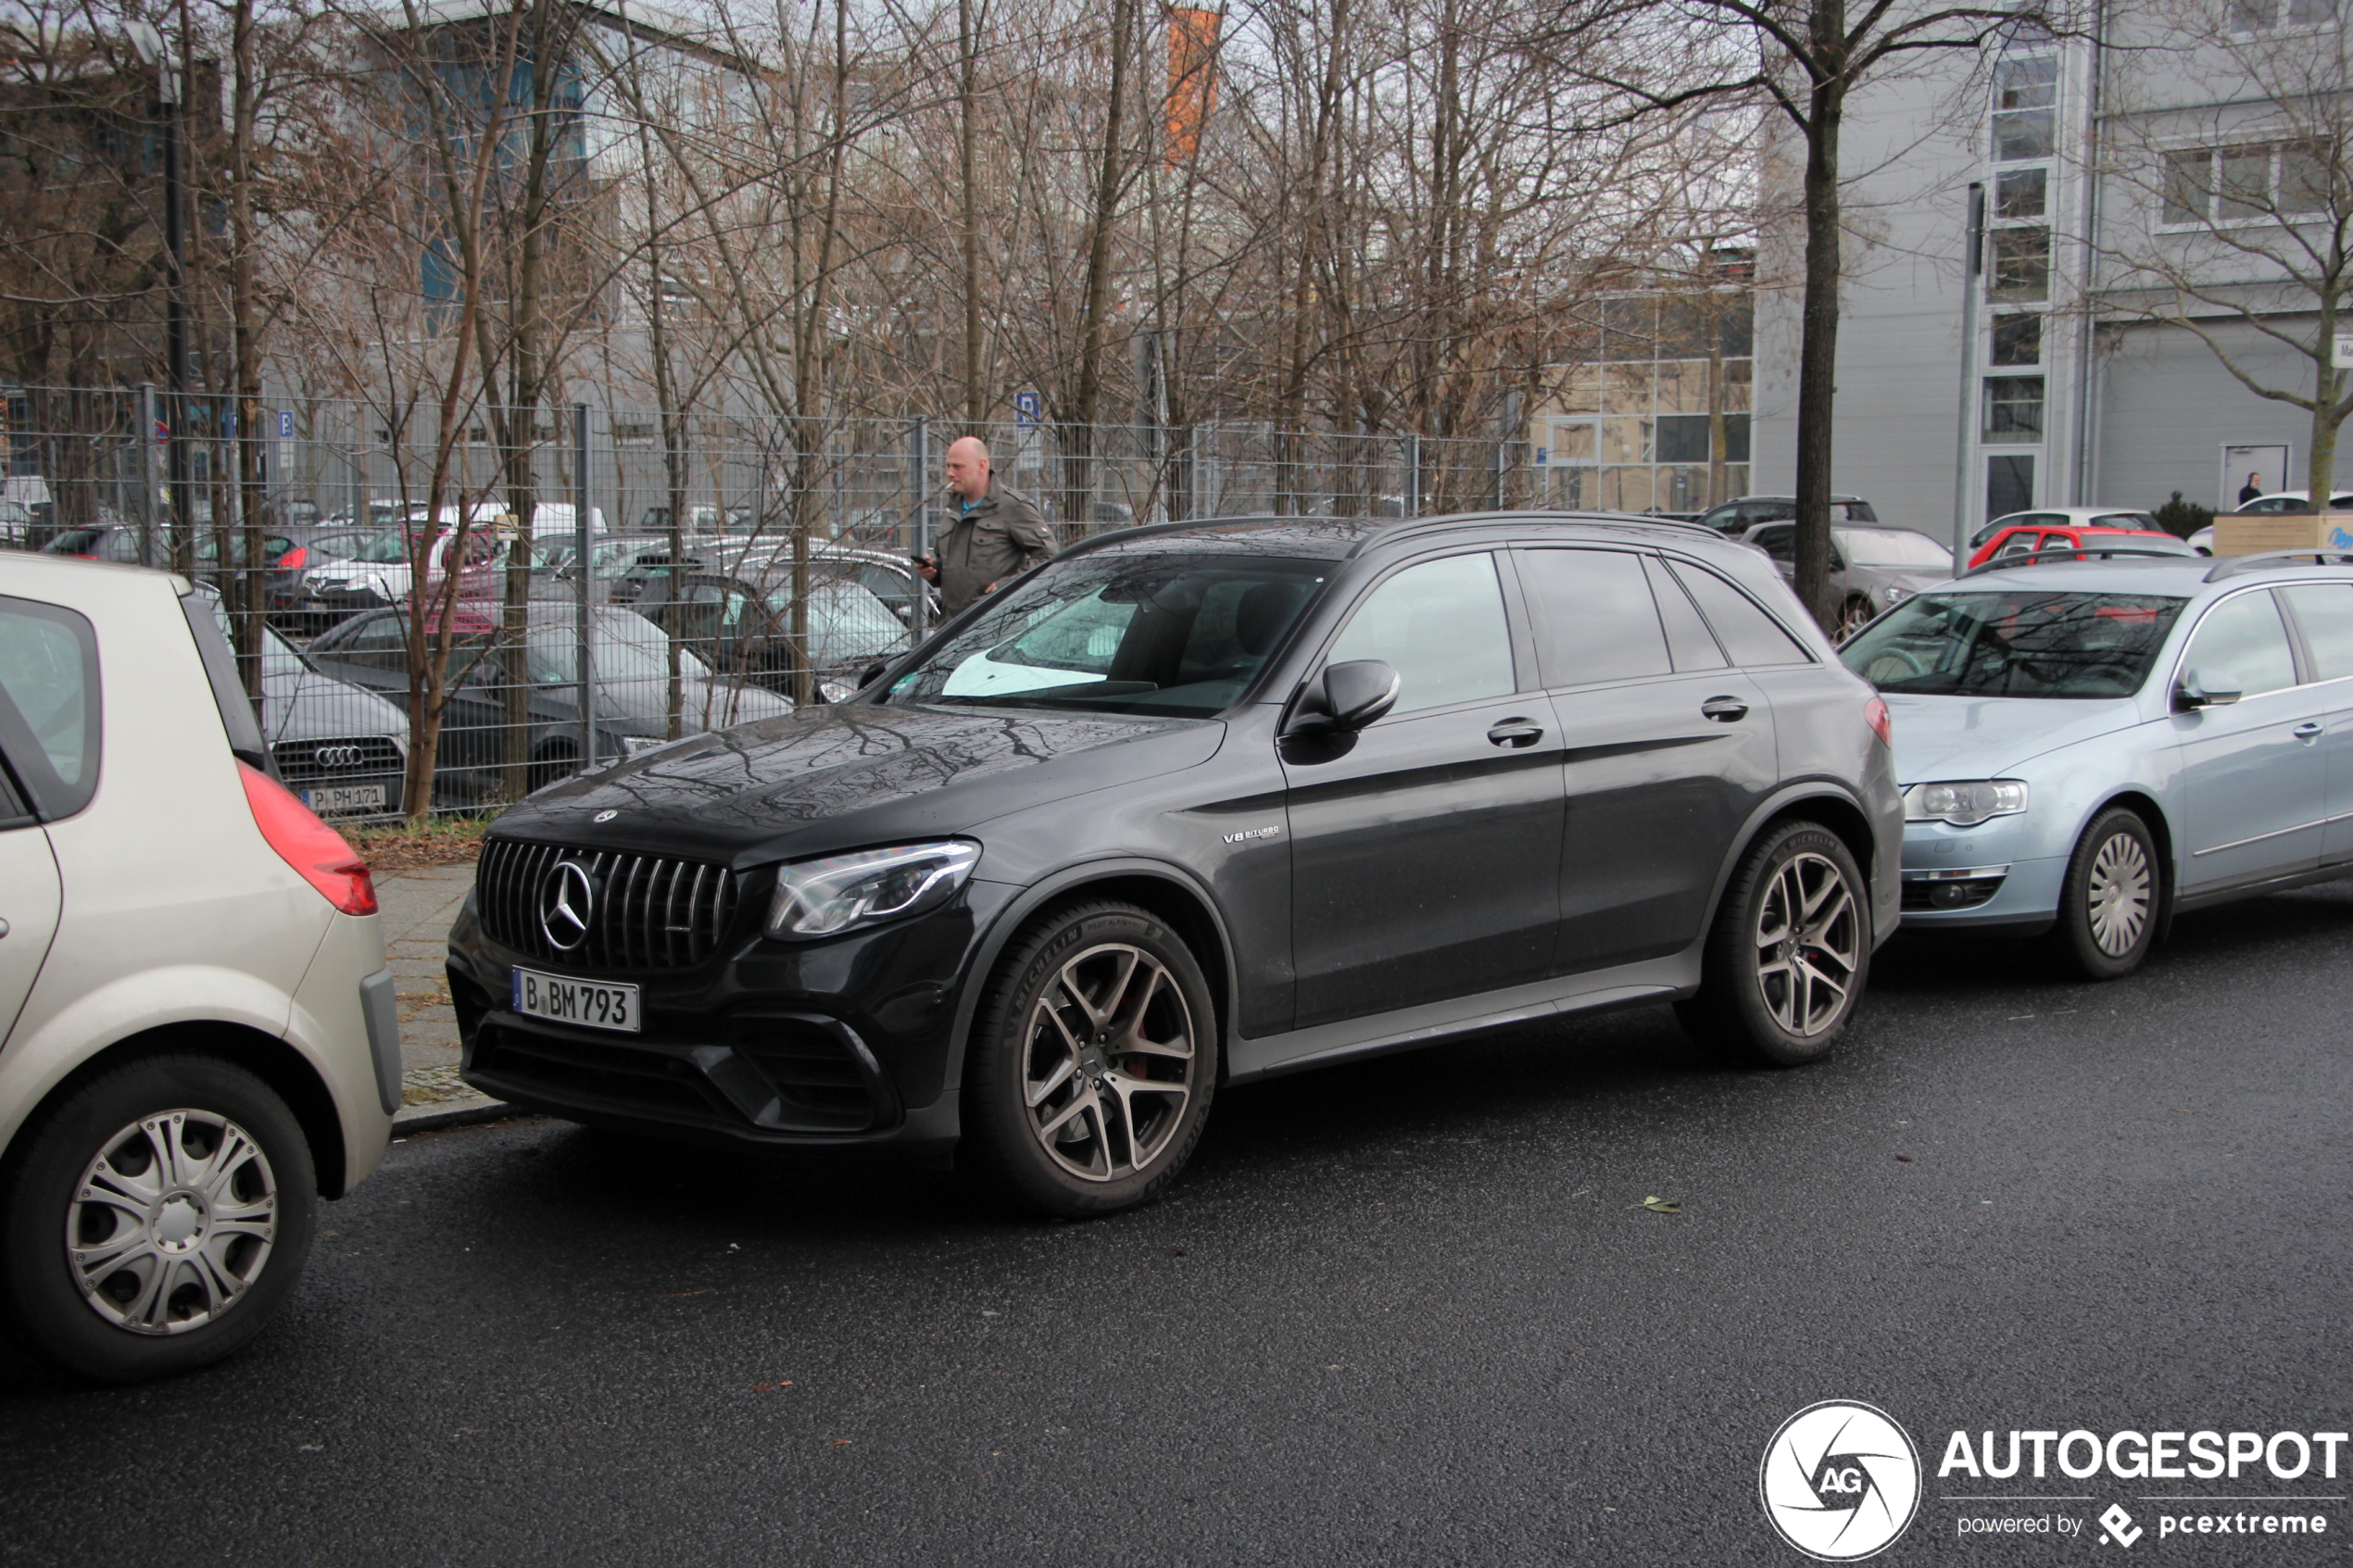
(344, 797)
(589, 1003)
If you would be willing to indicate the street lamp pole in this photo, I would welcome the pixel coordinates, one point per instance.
(175, 308)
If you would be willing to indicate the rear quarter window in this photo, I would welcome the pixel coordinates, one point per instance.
(49, 704)
(1751, 636)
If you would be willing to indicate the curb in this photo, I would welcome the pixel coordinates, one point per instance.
(433, 1116)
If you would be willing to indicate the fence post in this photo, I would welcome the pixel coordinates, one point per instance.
(585, 570)
(919, 459)
(146, 436)
(1413, 476)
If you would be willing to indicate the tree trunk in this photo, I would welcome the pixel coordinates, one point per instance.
(1078, 468)
(1818, 343)
(967, 107)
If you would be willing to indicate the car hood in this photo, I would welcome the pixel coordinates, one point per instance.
(1983, 737)
(844, 775)
(308, 705)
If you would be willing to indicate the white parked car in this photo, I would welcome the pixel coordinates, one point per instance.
(197, 1033)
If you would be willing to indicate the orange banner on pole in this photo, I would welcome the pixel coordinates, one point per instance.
(1192, 79)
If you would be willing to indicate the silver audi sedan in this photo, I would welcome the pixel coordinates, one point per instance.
(2089, 747)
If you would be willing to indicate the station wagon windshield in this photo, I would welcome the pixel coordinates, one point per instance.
(1123, 633)
(2049, 645)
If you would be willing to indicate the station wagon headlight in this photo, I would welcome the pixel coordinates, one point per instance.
(821, 897)
(1963, 803)
(1893, 595)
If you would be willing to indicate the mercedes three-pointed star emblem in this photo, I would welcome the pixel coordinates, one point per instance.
(567, 898)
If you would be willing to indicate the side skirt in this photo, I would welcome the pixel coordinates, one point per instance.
(1655, 980)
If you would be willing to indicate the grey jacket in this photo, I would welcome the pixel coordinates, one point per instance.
(1000, 537)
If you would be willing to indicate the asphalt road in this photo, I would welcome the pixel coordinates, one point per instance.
(1406, 1311)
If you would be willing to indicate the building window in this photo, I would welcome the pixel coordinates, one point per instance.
(2017, 340)
(2263, 16)
(2014, 409)
(2009, 483)
(2021, 193)
(2025, 94)
(2022, 262)
(2253, 181)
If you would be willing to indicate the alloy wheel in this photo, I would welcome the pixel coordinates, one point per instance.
(172, 1222)
(2117, 902)
(1808, 943)
(1107, 1062)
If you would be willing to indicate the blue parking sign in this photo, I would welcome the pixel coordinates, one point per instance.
(285, 424)
(1028, 408)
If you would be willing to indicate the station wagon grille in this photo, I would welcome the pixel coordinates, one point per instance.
(326, 762)
(645, 911)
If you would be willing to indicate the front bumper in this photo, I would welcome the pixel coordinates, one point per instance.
(840, 1044)
(1984, 878)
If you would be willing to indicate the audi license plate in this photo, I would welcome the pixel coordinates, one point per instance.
(344, 797)
(584, 1002)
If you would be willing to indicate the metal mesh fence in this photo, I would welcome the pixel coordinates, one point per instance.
(446, 612)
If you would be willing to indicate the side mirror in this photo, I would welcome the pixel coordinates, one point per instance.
(1347, 697)
(2205, 687)
(871, 673)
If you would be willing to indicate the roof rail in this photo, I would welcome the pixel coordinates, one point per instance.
(2230, 565)
(2071, 552)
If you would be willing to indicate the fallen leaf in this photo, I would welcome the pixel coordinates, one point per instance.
(1658, 1206)
(1904, 1158)
(839, 1443)
(675, 1295)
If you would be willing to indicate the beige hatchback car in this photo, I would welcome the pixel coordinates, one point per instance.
(197, 1033)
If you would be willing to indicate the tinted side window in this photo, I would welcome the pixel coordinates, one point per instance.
(49, 704)
(1779, 542)
(1687, 638)
(1594, 617)
(2243, 636)
(1750, 635)
(1440, 626)
(2324, 611)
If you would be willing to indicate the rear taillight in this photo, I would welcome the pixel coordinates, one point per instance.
(1875, 715)
(309, 844)
(294, 558)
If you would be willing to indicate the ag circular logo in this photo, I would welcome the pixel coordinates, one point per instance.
(1840, 1481)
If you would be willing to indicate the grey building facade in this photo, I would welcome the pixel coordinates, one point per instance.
(2109, 171)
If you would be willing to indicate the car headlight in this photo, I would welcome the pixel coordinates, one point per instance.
(1893, 595)
(1963, 803)
(637, 745)
(821, 897)
(837, 691)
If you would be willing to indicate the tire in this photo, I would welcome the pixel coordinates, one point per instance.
(1770, 995)
(209, 1256)
(2109, 904)
(1052, 1117)
(554, 762)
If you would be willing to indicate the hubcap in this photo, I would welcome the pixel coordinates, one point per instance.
(1808, 945)
(2118, 902)
(172, 1222)
(1107, 1062)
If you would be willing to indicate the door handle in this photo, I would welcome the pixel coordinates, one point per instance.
(2306, 730)
(1724, 710)
(1517, 733)
(3, 928)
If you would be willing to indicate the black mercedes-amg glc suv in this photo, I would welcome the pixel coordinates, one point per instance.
(1192, 805)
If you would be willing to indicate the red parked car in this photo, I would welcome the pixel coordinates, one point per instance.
(2028, 539)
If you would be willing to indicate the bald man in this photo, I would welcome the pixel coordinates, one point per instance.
(996, 533)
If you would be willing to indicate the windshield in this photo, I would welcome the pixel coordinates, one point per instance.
(1123, 633)
(1894, 547)
(2053, 645)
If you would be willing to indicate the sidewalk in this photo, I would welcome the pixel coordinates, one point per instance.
(417, 908)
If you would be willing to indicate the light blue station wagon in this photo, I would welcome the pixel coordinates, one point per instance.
(2088, 747)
